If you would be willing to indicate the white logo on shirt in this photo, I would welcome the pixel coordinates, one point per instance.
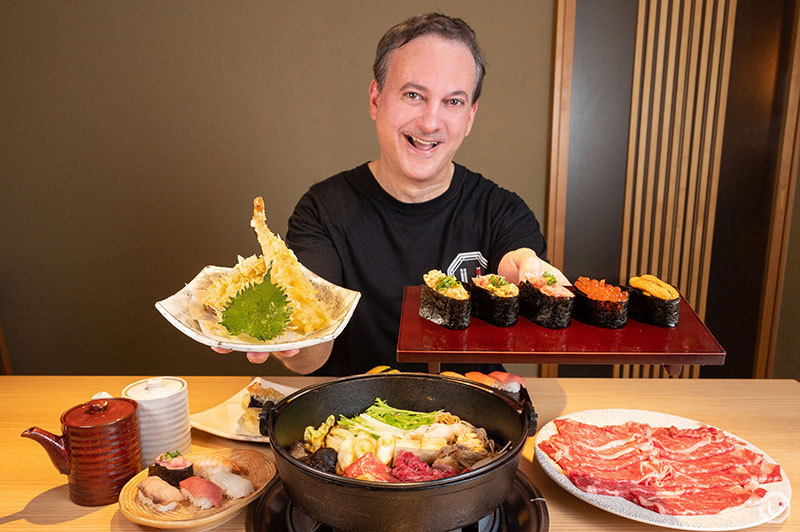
(467, 265)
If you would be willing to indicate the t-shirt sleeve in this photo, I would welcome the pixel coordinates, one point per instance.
(310, 238)
(517, 227)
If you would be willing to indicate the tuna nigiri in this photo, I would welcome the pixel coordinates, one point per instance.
(201, 492)
(511, 386)
(507, 378)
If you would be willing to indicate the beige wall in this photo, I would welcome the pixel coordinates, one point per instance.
(135, 135)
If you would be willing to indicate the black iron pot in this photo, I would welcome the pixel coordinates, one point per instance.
(439, 505)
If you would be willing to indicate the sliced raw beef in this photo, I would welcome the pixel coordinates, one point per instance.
(665, 469)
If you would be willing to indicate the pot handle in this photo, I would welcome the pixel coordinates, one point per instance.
(264, 416)
(528, 411)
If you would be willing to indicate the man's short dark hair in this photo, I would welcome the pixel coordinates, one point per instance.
(451, 28)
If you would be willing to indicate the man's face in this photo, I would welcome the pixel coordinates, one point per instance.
(424, 111)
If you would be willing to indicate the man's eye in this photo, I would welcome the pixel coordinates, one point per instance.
(412, 95)
(455, 101)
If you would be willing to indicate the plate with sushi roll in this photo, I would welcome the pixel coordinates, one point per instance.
(197, 491)
(236, 418)
(267, 302)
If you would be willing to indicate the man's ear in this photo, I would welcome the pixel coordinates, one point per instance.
(472, 117)
(374, 99)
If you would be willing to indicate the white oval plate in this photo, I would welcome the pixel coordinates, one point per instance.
(772, 505)
(184, 312)
(223, 420)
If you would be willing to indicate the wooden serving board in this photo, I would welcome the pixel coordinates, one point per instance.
(420, 340)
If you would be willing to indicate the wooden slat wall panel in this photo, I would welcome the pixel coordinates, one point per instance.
(679, 94)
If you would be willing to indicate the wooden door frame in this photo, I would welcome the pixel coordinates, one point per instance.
(560, 108)
(781, 220)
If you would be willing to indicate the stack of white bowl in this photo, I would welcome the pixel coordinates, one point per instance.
(163, 416)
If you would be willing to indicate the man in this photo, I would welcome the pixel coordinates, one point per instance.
(380, 226)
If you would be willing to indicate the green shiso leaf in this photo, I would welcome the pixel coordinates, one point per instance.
(260, 309)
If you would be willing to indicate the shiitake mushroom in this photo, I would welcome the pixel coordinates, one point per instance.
(324, 459)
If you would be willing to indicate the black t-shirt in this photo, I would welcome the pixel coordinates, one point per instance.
(350, 231)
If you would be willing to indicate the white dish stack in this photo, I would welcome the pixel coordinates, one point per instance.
(163, 416)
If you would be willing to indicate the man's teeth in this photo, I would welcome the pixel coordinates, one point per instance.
(415, 140)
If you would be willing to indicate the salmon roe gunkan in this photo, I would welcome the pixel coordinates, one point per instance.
(599, 290)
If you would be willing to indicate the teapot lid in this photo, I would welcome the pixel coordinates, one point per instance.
(99, 412)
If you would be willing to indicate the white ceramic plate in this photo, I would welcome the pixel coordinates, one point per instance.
(184, 312)
(223, 419)
(775, 503)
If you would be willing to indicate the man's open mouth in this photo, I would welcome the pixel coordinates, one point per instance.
(421, 144)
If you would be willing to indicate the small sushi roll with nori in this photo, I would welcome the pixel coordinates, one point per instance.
(494, 300)
(601, 304)
(444, 301)
(545, 302)
(654, 301)
(171, 467)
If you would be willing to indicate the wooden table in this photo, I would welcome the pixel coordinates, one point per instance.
(33, 495)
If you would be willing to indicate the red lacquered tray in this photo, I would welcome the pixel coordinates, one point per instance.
(690, 342)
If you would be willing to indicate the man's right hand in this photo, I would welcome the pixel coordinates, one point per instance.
(258, 357)
(303, 361)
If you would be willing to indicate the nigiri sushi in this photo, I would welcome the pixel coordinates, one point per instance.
(206, 465)
(201, 492)
(444, 300)
(511, 386)
(508, 378)
(601, 304)
(654, 301)
(233, 485)
(494, 300)
(157, 493)
(545, 302)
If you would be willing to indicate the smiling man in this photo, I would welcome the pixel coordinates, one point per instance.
(382, 225)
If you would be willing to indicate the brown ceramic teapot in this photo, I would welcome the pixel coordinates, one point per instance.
(99, 449)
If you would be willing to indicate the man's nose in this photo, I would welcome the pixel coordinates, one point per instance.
(430, 118)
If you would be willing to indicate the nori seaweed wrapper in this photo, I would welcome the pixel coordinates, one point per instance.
(171, 476)
(608, 314)
(548, 311)
(499, 311)
(443, 310)
(652, 309)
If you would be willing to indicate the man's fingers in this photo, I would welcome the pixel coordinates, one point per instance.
(220, 350)
(257, 358)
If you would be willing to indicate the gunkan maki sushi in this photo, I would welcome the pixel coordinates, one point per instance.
(545, 302)
(601, 304)
(172, 467)
(444, 301)
(654, 301)
(495, 300)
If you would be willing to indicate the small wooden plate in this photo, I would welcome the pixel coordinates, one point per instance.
(257, 467)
